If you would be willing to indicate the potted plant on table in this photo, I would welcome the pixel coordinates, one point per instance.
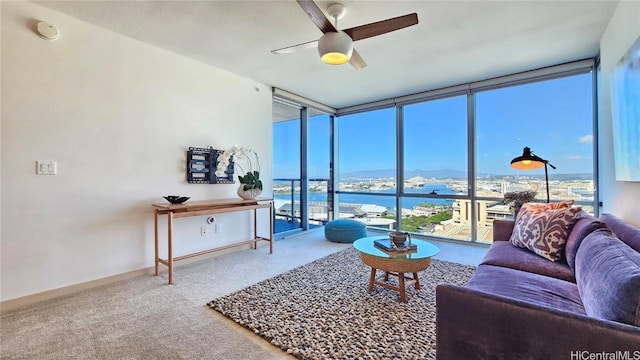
(250, 183)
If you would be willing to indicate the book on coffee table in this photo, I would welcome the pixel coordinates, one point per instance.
(389, 246)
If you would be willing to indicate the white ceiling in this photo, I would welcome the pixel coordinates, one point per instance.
(455, 41)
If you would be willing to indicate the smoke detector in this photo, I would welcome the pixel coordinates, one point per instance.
(47, 31)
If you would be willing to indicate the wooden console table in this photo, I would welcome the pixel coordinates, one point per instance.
(206, 207)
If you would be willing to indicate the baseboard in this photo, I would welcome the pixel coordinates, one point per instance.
(67, 290)
(50, 294)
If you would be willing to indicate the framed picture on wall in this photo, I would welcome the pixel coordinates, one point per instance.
(625, 114)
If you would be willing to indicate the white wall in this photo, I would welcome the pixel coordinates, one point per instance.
(117, 115)
(618, 197)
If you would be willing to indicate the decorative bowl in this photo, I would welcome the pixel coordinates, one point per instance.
(398, 238)
(175, 199)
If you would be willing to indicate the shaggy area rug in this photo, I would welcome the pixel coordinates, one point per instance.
(322, 310)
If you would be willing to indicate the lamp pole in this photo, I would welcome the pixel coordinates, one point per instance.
(546, 177)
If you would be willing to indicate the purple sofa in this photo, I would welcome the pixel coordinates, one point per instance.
(519, 305)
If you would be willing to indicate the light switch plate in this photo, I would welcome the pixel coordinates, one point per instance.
(46, 167)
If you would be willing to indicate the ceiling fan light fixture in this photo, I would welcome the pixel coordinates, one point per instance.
(335, 48)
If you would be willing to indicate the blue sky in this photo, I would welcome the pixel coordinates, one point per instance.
(553, 118)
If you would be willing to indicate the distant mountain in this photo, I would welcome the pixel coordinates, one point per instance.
(552, 176)
(577, 176)
(440, 173)
(391, 173)
(454, 174)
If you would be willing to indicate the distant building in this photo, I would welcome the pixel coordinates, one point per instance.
(318, 210)
(424, 211)
(379, 222)
(372, 210)
(486, 212)
(503, 187)
(351, 210)
(415, 182)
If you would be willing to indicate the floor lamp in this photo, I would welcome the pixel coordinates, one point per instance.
(530, 161)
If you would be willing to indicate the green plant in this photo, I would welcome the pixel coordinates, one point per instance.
(413, 223)
(517, 198)
(251, 178)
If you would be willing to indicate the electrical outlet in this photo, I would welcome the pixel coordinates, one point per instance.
(46, 167)
(203, 230)
(218, 228)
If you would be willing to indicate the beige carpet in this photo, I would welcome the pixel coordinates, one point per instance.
(144, 318)
(322, 310)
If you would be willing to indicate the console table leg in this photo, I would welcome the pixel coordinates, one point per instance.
(271, 228)
(255, 228)
(155, 229)
(170, 246)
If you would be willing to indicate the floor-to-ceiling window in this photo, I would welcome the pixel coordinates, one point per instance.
(554, 119)
(366, 158)
(437, 163)
(453, 151)
(435, 167)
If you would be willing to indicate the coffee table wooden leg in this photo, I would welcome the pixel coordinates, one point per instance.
(386, 276)
(372, 279)
(403, 295)
(415, 277)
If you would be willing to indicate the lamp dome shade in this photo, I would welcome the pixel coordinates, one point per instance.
(335, 48)
(527, 161)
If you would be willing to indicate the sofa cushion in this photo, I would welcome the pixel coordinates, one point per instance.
(503, 253)
(544, 232)
(625, 232)
(608, 278)
(583, 227)
(528, 287)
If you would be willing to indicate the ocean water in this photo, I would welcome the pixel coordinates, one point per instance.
(386, 201)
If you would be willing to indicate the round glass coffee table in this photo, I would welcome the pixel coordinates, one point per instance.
(395, 263)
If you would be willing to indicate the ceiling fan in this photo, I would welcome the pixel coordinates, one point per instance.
(336, 46)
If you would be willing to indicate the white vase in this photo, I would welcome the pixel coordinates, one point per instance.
(248, 194)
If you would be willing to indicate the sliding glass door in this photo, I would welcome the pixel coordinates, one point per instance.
(286, 167)
(320, 202)
(301, 163)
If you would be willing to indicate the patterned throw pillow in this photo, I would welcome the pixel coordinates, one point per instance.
(534, 206)
(544, 232)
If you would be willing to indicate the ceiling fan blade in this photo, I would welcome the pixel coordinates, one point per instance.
(317, 16)
(381, 27)
(356, 60)
(294, 48)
